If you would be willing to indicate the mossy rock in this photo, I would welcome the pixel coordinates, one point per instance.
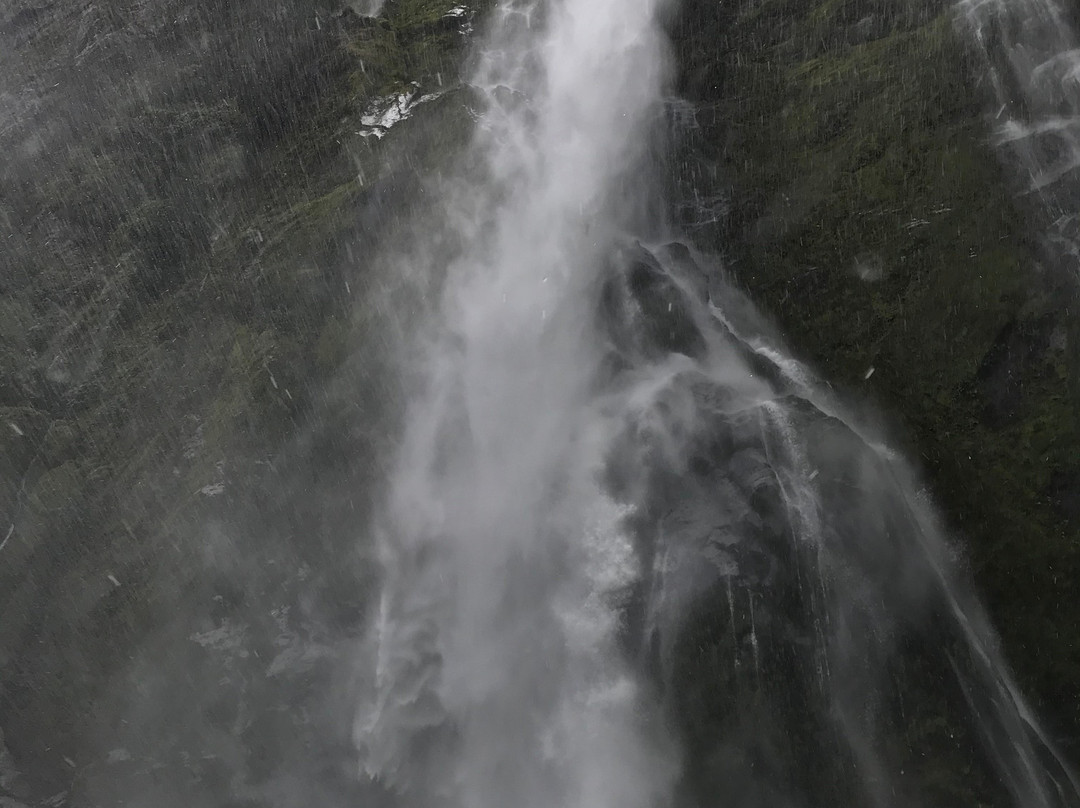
(871, 217)
(187, 250)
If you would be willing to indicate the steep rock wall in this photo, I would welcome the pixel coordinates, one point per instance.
(840, 162)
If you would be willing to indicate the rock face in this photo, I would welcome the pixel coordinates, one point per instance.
(11, 781)
(801, 616)
(189, 221)
(188, 228)
(838, 159)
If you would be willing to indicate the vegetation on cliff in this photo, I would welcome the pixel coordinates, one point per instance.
(867, 212)
(197, 192)
(196, 195)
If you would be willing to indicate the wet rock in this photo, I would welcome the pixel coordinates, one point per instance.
(1001, 373)
(645, 311)
(831, 146)
(146, 335)
(11, 781)
(679, 257)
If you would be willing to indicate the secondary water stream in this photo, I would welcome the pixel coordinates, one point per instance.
(1031, 57)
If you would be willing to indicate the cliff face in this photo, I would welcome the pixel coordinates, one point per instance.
(188, 219)
(842, 165)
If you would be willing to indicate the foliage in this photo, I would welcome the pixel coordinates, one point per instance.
(190, 203)
(870, 216)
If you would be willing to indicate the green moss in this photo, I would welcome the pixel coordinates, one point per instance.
(243, 397)
(309, 222)
(380, 61)
(16, 321)
(237, 167)
(871, 217)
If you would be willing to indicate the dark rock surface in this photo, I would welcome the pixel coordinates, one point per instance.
(187, 436)
(865, 209)
(195, 194)
(803, 620)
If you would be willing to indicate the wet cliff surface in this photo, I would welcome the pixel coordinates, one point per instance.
(190, 209)
(194, 330)
(843, 164)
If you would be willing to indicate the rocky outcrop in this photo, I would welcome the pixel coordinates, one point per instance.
(856, 197)
(801, 615)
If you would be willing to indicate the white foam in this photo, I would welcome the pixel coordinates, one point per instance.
(504, 562)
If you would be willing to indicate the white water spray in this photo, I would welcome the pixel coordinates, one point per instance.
(607, 516)
(1031, 61)
(500, 681)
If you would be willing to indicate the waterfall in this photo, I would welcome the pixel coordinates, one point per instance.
(499, 673)
(633, 554)
(1030, 56)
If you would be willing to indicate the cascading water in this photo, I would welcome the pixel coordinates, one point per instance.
(633, 555)
(1031, 56)
(498, 666)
